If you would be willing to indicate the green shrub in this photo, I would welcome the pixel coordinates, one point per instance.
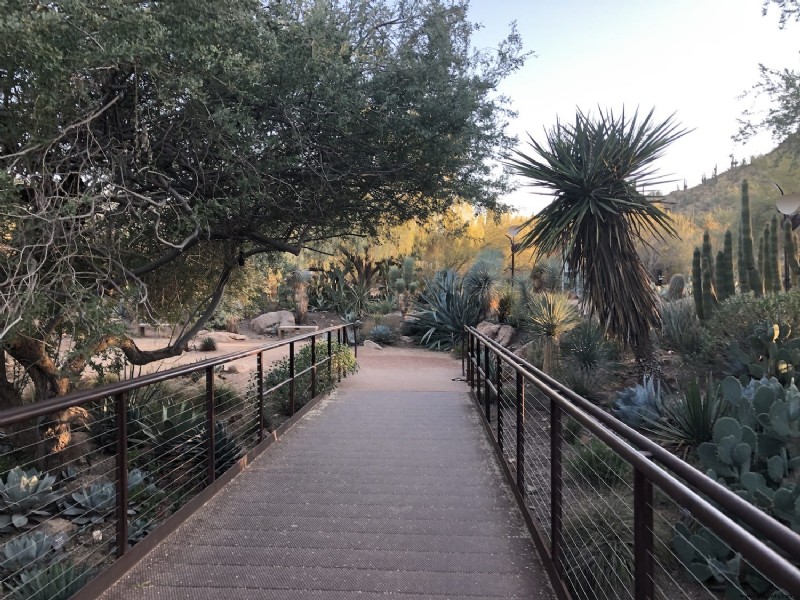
(342, 359)
(381, 307)
(227, 397)
(737, 317)
(595, 463)
(381, 334)
(208, 344)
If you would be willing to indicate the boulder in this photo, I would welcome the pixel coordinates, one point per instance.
(269, 322)
(502, 334)
(371, 344)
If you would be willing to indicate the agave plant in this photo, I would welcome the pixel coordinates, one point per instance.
(92, 504)
(442, 311)
(227, 449)
(688, 421)
(26, 551)
(596, 168)
(138, 529)
(24, 494)
(176, 424)
(58, 581)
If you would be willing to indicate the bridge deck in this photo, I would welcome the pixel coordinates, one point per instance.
(388, 488)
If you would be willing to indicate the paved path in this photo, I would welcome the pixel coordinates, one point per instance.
(375, 494)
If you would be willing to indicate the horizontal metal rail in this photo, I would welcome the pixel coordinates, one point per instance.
(249, 430)
(694, 494)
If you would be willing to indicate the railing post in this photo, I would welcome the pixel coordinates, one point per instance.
(520, 401)
(555, 484)
(470, 370)
(121, 414)
(330, 357)
(260, 375)
(463, 349)
(487, 397)
(642, 537)
(339, 335)
(355, 341)
(498, 384)
(478, 370)
(291, 378)
(211, 446)
(314, 366)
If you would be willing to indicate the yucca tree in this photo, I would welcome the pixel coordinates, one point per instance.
(596, 168)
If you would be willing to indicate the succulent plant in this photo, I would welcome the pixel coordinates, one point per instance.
(58, 581)
(640, 405)
(227, 449)
(730, 454)
(380, 334)
(92, 504)
(26, 551)
(24, 494)
(138, 529)
(706, 557)
(173, 426)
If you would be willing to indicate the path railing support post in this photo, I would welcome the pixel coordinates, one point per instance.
(291, 378)
(498, 386)
(211, 445)
(555, 484)
(121, 415)
(260, 375)
(643, 584)
(520, 402)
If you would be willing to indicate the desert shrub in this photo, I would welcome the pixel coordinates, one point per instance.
(571, 431)
(381, 307)
(737, 317)
(342, 358)
(232, 324)
(208, 344)
(595, 463)
(227, 397)
(680, 328)
(381, 334)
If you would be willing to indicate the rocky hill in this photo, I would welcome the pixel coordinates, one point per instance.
(720, 196)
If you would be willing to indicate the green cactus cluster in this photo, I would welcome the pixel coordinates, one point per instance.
(706, 557)
(773, 352)
(756, 450)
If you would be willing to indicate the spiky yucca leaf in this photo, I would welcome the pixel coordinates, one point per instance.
(595, 169)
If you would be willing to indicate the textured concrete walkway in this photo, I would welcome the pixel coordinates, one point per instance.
(387, 489)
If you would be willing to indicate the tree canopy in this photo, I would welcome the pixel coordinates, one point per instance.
(142, 140)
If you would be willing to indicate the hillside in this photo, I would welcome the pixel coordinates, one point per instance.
(721, 195)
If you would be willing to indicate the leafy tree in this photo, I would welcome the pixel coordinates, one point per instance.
(781, 86)
(148, 149)
(595, 168)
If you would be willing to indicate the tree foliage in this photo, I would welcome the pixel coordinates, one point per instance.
(147, 148)
(595, 168)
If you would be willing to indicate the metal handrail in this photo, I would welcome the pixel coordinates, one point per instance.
(119, 391)
(640, 452)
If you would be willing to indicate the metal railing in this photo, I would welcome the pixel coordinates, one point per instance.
(142, 455)
(606, 505)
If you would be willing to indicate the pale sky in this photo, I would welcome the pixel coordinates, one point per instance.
(694, 58)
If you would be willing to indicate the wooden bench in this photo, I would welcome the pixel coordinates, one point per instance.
(283, 329)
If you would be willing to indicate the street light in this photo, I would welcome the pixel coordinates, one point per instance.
(513, 232)
(787, 205)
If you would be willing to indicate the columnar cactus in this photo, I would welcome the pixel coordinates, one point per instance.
(708, 254)
(772, 256)
(726, 277)
(697, 283)
(709, 296)
(753, 276)
(719, 268)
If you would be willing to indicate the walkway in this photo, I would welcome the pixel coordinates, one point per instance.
(387, 489)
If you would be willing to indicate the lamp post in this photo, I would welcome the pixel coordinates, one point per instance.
(513, 232)
(787, 205)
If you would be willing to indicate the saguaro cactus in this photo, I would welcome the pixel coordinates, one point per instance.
(719, 268)
(709, 297)
(772, 255)
(697, 283)
(753, 275)
(726, 277)
(708, 254)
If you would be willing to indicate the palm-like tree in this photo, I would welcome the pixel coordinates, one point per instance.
(551, 315)
(596, 168)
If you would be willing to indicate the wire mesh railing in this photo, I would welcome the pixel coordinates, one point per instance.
(86, 477)
(614, 514)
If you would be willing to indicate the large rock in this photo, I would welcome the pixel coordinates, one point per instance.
(269, 322)
(502, 334)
